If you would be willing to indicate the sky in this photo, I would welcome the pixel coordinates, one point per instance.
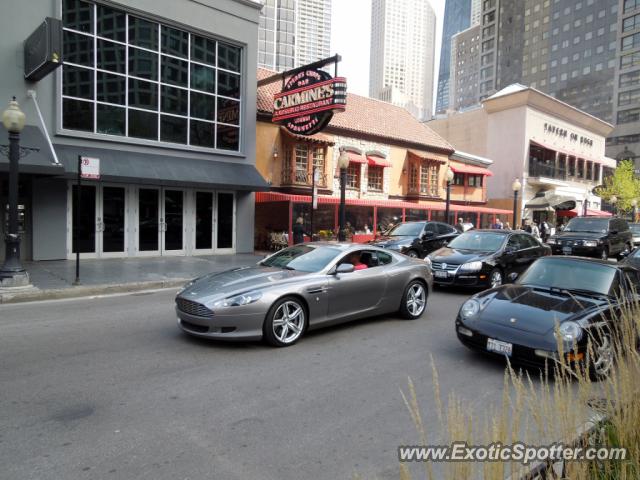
(350, 37)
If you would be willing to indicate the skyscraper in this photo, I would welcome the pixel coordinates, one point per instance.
(402, 52)
(458, 16)
(293, 33)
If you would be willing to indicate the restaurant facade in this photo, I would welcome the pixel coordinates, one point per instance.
(397, 172)
(556, 151)
(161, 95)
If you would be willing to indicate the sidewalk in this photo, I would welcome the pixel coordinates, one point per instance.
(54, 279)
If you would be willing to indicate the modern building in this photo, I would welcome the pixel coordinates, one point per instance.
(457, 17)
(556, 151)
(624, 142)
(293, 33)
(465, 69)
(163, 94)
(396, 172)
(403, 34)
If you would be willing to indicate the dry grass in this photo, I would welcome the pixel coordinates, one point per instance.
(540, 411)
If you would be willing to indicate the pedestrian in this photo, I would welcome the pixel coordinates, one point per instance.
(298, 231)
(506, 226)
(535, 231)
(460, 225)
(544, 230)
(498, 225)
(527, 226)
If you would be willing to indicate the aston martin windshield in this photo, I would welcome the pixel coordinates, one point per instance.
(302, 258)
(570, 275)
(479, 241)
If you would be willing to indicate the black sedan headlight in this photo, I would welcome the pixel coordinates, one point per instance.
(552, 241)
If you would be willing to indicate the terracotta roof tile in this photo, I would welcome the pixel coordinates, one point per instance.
(365, 115)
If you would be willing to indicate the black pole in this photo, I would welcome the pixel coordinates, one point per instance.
(313, 198)
(76, 220)
(343, 186)
(515, 209)
(12, 265)
(446, 212)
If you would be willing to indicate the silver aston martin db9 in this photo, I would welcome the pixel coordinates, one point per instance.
(305, 286)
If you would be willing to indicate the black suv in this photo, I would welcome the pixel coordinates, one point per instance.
(416, 239)
(593, 237)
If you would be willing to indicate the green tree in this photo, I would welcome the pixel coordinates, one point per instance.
(624, 185)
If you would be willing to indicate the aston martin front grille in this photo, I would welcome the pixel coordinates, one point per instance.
(193, 308)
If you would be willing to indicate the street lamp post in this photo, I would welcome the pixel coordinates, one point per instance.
(12, 274)
(634, 204)
(449, 178)
(585, 205)
(515, 186)
(343, 164)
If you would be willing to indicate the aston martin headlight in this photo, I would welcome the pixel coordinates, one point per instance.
(590, 243)
(471, 267)
(238, 300)
(470, 308)
(570, 331)
(187, 285)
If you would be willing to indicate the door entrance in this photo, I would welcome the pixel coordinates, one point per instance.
(214, 222)
(161, 221)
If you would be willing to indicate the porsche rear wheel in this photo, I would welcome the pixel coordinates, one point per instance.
(414, 300)
(495, 278)
(285, 323)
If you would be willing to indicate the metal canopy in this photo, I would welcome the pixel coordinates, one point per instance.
(547, 199)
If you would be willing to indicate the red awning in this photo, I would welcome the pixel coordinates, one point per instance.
(464, 168)
(356, 158)
(577, 212)
(375, 161)
(266, 197)
(425, 156)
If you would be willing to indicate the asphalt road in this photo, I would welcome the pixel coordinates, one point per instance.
(109, 388)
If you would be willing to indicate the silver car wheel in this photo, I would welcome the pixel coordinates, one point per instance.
(604, 356)
(495, 279)
(288, 322)
(416, 299)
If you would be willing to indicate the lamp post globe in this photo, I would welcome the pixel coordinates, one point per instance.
(449, 178)
(516, 186)
(12, 274)
(343, 164)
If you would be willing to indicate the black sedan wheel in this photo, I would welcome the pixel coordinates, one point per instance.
(495, 278)
(285, 322)
(414, 300)
(412, 254)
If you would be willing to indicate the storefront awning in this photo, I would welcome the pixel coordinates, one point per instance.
(425, 156)
(463, 168)
(318, 138)
(578, 213)
(144, 168)
(376, 161)
(356, 157)
(36, 155)
(548, 199)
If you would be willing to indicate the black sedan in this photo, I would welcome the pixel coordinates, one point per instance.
(485, 258)
(571, 297)
(416, 239)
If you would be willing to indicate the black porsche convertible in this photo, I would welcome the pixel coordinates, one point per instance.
(575, 298)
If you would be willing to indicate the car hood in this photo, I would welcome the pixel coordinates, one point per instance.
(388, 241)
(530, 309)
(579, 235)
(215, 286)
(455, 256)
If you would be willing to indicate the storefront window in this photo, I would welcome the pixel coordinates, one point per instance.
(302, 163)
(439, 216)
(458, 179)
(387, 217)
(324, 221)
(375, 178)
(414, 214)
(486, 220)
(572, 166)
(353, 176)
(413, 177)
(157, 83)
(475, 180)
(469, 217)
(318, 164)
(580, 168)
(589, 170)
(359, 219)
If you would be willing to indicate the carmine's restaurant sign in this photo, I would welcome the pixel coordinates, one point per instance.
(308, 101)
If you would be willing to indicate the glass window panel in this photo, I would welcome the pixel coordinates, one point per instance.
(77, 82)
(111, 56)
(202, 106)
(148, 223)
(228, 57)
(175, 42)
(143, 124)
(174, 100)
(225, 220)
(204, 220)
(110, 119)
(174, 71)
(174, 217)
(113, 217)
(173, 129)
(143, 94)
(227, 138)
(111, 88)
(201, 134)
(228, 84)
(111, 23)
(202, 78)
(228, 111)
(143, 33)
(77, 115)
(77, 48)
(86, 219)
(77, 15)
(203, 50)
(143, 64)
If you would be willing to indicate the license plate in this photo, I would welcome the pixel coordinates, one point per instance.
(441, 274)
(566, 250)
(499, 347)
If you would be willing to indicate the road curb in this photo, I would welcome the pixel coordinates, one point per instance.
(35, 294)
